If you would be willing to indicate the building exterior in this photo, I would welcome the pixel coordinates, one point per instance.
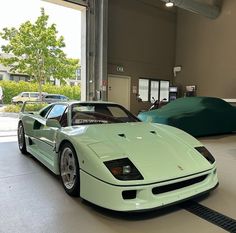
(6, 74)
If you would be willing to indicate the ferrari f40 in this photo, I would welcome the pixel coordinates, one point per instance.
(107, 156)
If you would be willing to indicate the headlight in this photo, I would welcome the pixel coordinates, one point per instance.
(203, 151)
(123, 169)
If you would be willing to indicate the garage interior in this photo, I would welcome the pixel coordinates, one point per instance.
(132, 40)
(33, 200)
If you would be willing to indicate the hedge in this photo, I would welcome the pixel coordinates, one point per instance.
(11, 89)
(28, 108)
(12, 108)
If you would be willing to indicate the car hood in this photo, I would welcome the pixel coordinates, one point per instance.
(159, 152)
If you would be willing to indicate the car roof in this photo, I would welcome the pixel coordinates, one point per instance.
(33, 92)
(54, 94)
(71, 102)
(91, 102)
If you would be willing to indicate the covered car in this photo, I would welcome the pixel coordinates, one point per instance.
(107, 156)
(198, 116)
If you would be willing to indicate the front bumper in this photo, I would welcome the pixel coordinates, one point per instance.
(110, 196)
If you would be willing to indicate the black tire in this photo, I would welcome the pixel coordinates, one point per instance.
(21, 138)
(66, 152)
(20, 102)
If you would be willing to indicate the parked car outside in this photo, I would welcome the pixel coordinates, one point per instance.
(52, 98)
(26, 96)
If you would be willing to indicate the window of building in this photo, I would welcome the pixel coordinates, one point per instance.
(154, 92)
(18, 78)
(164, 90)
(144, 89)
(1, 77)
(152, 89)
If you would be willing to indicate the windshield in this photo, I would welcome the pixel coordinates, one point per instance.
(99, 113)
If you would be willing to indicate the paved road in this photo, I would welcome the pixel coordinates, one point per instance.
(8, 124)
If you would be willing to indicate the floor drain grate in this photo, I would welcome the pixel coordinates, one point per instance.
(210, 215)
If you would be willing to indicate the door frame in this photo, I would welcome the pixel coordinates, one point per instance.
(129, 85)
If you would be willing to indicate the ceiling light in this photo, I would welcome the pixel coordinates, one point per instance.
(169, 4)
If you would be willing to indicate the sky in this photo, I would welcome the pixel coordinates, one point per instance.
(67, 20)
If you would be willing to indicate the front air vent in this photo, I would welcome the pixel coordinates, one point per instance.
(122, 135)
(129, 194)
(178, 185)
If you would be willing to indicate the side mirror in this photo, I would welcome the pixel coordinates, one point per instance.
(53, 123)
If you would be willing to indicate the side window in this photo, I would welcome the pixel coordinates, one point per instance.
(45, 111)
(52, 97)
(34, 95)
(25, 95)
(56, 112)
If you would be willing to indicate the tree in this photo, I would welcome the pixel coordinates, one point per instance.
(37, 51)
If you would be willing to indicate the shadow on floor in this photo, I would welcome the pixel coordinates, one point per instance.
(133, 216)
(219, 136)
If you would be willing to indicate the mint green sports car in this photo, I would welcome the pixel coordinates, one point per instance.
(105, 155)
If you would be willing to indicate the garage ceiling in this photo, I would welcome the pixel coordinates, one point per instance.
(158, 4)
(208, 8)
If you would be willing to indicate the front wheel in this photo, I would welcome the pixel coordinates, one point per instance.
(69, 170)
(21, 138)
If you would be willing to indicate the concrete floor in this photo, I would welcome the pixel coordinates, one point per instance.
(33, 200)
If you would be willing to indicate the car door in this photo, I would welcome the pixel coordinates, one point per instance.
(46, 136)
(34, 96)
(24, 97)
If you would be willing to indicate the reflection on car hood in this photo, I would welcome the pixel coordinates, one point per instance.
(159, 152)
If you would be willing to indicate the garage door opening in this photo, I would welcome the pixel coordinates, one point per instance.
(65, 33)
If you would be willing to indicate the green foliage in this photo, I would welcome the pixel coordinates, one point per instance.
(34, 107)
(11, 89)
(28, 107)
(37, 51)
(12, 108)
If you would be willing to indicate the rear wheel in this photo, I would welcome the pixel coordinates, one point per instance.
(21, 138)
(69, 170)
